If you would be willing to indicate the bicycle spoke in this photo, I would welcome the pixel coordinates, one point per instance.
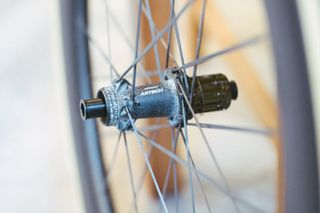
(174, 142)
(248, 42)
(186, 144)
(154, 29)
(157, 38)
(130, 172)
(180, 160)
(183, 163)
(127, 40)
(175, 177)
(141, 74)
(120, 29)
(145, 169)
(154, 127)
(152, 32)
(169, 35)
(113, 159)
(213, 157)
(108, 37)
(136, 47)
(142, 177)
(194, 166)
(199, 40)
(147, 160)
(95, 44)
(264, 132)
(180, 52)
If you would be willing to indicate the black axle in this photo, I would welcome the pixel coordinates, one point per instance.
(92, 108)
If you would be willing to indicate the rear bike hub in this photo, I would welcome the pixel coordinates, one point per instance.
(165, 99)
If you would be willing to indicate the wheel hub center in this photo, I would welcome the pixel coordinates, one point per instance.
(210, 93)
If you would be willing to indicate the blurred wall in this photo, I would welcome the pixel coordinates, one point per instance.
(35, 175)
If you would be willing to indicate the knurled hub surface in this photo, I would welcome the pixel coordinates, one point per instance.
(117, 97)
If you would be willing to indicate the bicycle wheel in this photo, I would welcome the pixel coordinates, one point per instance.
(96, 155)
